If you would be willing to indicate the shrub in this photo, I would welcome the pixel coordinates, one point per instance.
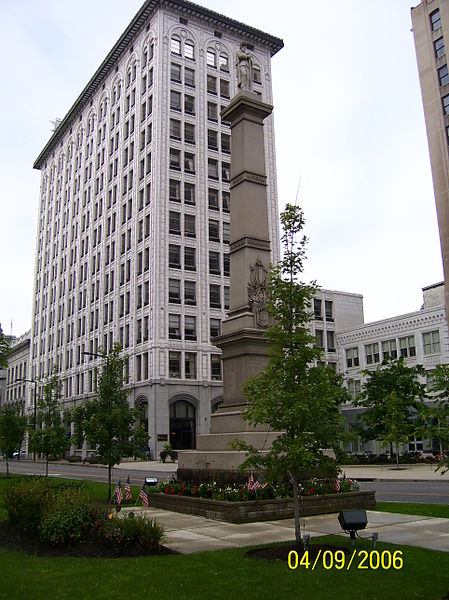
(24, 500)
(66, 515)
(131, 532)
(74, 459)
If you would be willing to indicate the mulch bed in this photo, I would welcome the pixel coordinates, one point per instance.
(28, 543)
(282, 552)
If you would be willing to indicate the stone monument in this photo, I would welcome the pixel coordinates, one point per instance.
(243, 339)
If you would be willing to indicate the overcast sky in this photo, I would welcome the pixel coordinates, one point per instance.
(348, 119)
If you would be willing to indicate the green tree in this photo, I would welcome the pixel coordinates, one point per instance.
(437, 422)
(294, 395)
(393, 397)
(50, 439)
(12, 430)
(107, 422)
(4, 349)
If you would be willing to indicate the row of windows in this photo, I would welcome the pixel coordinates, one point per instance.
(17, 372)
(186, 369)
(404, 347)
(318, 309)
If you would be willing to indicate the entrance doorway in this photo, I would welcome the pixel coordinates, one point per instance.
(182, 425)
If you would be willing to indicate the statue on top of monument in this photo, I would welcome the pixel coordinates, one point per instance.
(244, 64)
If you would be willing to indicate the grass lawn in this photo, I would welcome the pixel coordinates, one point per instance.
(219, 575)
(411, 508)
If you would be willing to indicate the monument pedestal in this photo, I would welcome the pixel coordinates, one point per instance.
(243, 341)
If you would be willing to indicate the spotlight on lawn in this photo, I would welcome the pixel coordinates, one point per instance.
(151, 481)
(352, 521)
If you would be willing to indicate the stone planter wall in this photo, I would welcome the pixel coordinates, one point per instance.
(263, 510)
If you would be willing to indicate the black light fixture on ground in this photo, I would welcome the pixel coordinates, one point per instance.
(352, 521)
(35, 405)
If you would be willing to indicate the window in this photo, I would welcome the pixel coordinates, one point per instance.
(211, 84)
(214, 296)
(189, 104)
(226, 171)
(214, 263)
(189, 77)
(174, 364)
(214, 231)
(190, 293)
(213, 199)
(189, 193)
(389, 349)
(174, 327)
(189, 259)
(225, 143)
(175, 46)
(174, 223)
(328, 310)
(435, 20)
(319, 336)
(174, 256)
(407, 347)
(226, 265)
(215, 367)
(317, 308)
(226, 201)
(175, 129)
(189, 226)
(226, 296)
(354, 387)
(175, 190)
(189, 133)
(439, 47)
(431, 342)
(175, 100)
(212, 139)
(330, 341)
(175, 159)
(190, 328)
(445, 101)
(211, 58)
(372, 353)
(190, 365)
(224, 62)
(212, 111)
(174, 291)
(175, 73)
(443, 75)
(224, 88)
(352, 357)
(189, 162)
(213, 168)
(189, 50)
(215, 327)
(257, 77)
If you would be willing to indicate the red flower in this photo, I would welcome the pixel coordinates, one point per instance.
(179, 493)
(166, 490)
(172, 491)
(311, 490)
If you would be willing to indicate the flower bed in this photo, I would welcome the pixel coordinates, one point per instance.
(242, 504)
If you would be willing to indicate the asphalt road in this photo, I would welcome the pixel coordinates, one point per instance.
(76, 471)
(431, 492)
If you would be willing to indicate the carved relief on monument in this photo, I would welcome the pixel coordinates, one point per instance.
(258, 294)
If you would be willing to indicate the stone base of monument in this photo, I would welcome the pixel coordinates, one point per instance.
(262, 510)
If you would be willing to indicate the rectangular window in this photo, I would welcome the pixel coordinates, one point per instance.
(328, 310)
(189, 259)
(174, 291)
(330, 335)
(212, 111)
(213, 199)
(215, 367)
(211, 84)
(189, 226)
(445, 101)
(226, 171)
(372, 353)
(352, 357)
(215, 327)
(443, 75)
(354, 387)
(226, 201)
(439, 47)
(212, 168)
(189, 193)
(175, 129)
(319, 336)
(175, 190)
(189, 162)
(190, 365)
(175, 100)
(317, 309)
(174, 223)
(190, 293)
(407, 347)
(431, 342)
(214, 296)
(224, 88)
(212, 139)
(175, 73)
(175, 159)
(174, 327)
(189, 133)
(189, 77)
(214, 230)
(226, 265)
(190, 328)
(189, 104)
(214, 263)
(174, 256)
(225, 143)
(389, 349)
(435, 20)
(174, 364)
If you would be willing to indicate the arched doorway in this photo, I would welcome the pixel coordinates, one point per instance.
(182, 425)
(142, 405)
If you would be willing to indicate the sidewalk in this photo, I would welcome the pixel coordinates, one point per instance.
(391, 473)
(149, 465)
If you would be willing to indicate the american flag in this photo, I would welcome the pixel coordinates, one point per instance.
(128, 494)
(255, 484)
(144, 496)
(118, 492)
(337, 485)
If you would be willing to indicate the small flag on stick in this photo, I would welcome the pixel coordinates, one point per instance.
(128, 494)
(143, 496)
(118, 493)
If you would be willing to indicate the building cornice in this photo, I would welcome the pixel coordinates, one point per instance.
(185, 8)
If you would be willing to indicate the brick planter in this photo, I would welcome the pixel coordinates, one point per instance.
(263, 510)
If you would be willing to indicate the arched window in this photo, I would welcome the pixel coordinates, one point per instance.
(216, 403)
(189, 50)
(182, 425)
(211, 58)
(175, 45)
(224, 62)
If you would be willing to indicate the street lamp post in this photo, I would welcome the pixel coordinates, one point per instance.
(35, 406)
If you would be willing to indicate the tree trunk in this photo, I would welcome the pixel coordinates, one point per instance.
(296, 510)
(46, 466)
(109, 481)
(7, 467)
(397, 456)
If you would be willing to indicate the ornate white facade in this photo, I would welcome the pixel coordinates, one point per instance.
(133, 230)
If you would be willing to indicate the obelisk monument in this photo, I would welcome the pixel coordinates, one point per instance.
(243, 339)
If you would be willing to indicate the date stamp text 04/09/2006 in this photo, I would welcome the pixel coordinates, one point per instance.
(361, 559)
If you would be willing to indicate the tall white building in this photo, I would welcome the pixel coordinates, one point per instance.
(133, 230)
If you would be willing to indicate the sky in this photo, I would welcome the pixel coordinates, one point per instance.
(350, 136)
